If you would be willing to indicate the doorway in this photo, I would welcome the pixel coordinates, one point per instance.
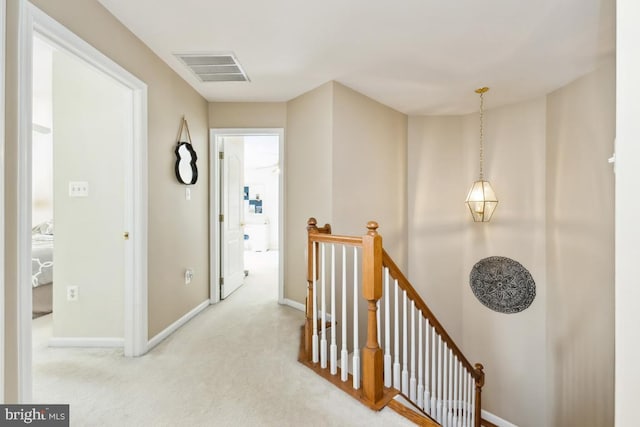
(247, 208)
(84, 193)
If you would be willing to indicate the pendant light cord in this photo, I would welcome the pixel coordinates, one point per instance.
(481, 136)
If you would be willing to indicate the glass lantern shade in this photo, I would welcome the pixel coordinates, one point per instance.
(482, 201)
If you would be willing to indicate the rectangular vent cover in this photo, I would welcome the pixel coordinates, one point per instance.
(214, 67)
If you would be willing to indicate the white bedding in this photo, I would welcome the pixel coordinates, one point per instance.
(41, 258)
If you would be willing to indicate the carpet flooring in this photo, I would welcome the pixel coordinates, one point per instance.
(232, 365)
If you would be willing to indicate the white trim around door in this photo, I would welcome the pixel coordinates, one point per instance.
(33, 20)
(214, 205)
(3, 14)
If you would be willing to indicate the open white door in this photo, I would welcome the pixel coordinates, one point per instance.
(232, 225)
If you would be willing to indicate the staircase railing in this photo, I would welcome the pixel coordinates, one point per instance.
(445, 385)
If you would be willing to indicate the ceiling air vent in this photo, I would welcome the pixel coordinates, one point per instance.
(218, 67)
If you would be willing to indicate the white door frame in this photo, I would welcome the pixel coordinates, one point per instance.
(214, 205)
(33, 20)
(3, 14)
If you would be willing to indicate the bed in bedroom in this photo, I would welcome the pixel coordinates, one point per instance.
(42, 268)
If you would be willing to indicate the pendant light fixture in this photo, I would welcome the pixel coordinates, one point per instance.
(482, 200)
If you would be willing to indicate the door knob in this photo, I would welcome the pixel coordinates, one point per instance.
(125, 235)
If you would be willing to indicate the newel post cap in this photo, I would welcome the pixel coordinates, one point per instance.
(372, 226)
(480, 374)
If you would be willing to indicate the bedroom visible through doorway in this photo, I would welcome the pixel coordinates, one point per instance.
(262, 205)
(247, 209)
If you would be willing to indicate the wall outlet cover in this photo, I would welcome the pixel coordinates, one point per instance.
(72, 293)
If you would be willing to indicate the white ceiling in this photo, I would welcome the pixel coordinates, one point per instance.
(417, 56)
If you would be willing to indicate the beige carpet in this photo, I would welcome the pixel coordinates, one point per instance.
(233, 365)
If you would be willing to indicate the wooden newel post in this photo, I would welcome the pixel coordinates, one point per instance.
(308, 324)
(479, 384)
(372, 366)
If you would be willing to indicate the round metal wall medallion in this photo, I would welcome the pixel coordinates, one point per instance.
(502, 284)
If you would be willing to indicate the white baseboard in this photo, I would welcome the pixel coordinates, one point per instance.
(293, 304)
(176, 325)
(496, 419)
(302, 308)
(86, 342)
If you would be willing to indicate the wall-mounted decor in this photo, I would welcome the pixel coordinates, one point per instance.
(253, 195)
(186, 169)
(502, 284)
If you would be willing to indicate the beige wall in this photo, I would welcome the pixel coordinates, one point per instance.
(505, 343)
(89, 133)
(346, 157)
(551, 364)
(247, 114)
(368, 161)
(308, 155)
(172, 246)
(580, 251)
(437, 215)
(445, 243)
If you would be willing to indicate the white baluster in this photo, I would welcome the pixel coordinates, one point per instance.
(333, 348)
(473, 400)
(314, 339)
(344, 353)
(427, 384)
(450, 401)
(356, 344)
(445, 377)
(405, 363)
(439, 398)
(467, 409)
(396, 340)
(388, 376)
(463, 404)
(412, 381)
(462, 396)
(456, 391)
(434, 375)
(420, 365)
(323, 311)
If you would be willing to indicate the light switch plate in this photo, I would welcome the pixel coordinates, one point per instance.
(78, 189)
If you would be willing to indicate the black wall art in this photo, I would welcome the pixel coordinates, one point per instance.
(502, 284)
(185, 168)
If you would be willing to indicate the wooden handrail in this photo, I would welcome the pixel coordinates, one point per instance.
(332, 238)
(405, 285)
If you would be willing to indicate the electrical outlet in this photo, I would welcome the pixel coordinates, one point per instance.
(188, 275)
(72, 293)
